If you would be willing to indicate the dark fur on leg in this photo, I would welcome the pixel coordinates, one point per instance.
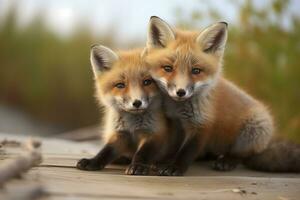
(120, 143)
(122, 161)
(140, 164)
(104, 157)
(225, 163)
(137, 169)
(183, 160)
(169, 170)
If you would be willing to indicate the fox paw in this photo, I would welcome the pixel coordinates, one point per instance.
(137, 169)
(224, 164)
(170, 170)
(89, 165)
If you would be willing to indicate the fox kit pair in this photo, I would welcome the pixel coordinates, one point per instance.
(216, 117)
(134, 124)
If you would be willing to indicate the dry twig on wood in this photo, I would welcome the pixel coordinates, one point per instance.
(11, 143)
(14, 168)
(23, 192)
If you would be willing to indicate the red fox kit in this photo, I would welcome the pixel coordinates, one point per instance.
(218, 117)
(134, 125)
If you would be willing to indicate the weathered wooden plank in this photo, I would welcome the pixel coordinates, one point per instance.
(62, 181)
(110, 184)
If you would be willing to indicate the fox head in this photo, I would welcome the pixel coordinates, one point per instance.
(185, 62)
(122, 79)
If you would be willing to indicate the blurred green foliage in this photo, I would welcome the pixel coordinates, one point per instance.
(46, 75)
(50, 77)
(262, 56)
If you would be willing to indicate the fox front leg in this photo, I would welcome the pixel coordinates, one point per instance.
(118, 144)
(104, 157)
(142, 159)
(186, 155)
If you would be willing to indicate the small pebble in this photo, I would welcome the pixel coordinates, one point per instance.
(236, 190)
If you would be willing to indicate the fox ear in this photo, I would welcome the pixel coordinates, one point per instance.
(159, 33)
(213, 38)
(102, 58)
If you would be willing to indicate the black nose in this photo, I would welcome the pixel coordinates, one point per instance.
(137, 103)
(180, 92)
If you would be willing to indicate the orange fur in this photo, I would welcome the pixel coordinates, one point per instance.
(227, 107)
(130, 69)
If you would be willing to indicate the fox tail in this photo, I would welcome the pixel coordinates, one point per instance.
(280, 156)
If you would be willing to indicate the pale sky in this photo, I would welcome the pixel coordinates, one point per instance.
(130, 17)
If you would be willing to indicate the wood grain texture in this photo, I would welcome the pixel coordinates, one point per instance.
(62, 181)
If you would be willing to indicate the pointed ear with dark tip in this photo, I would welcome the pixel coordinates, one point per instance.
(213, 38)
(102, 58)
(159, 33)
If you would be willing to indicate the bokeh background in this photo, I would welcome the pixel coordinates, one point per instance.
(46, 84)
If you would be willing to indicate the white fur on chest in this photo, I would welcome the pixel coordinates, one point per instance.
(128, 122)
(193, 110)
(135, 122)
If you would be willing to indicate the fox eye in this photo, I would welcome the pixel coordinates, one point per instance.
(196, 70)
(120, 85)
(168, 68)
(147, 81)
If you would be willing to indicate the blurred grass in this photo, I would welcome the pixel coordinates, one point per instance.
(50, 77)
(46, 75)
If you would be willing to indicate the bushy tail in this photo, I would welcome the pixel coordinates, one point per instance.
(280, 156)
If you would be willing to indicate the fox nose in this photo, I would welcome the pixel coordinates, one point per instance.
(180, 92)
(137, 103)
